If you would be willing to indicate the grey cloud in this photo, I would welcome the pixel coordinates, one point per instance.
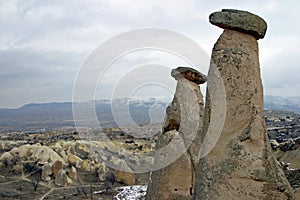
(281, 74)
(26, 71)
(43, 43)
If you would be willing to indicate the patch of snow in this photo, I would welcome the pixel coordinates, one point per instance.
(134, 192)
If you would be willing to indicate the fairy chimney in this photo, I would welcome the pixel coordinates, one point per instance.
(240, 165)
(181, 131)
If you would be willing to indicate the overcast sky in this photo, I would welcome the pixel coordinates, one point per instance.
(43, 44)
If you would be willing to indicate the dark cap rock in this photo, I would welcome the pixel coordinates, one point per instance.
(238, 20)
(190, 74)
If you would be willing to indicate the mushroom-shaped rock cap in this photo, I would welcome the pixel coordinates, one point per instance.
(190, 74)
(238, 20)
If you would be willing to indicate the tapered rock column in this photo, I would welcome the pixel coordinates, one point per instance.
(178, 145)
(241, 164)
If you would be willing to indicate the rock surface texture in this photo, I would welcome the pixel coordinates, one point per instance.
(181, 131)
(189, 73)
(242, 21)
(241, 164)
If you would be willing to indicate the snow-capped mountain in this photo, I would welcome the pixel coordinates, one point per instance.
(117, 112)
(54, 115)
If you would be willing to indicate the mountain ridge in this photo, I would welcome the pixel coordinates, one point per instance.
(57, 114)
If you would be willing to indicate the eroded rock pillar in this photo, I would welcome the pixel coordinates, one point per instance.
(178, 145)
(240, 164)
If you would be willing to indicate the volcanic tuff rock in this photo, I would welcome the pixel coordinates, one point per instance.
(62, 162)
(61, 178)
(37, 152)
(188, 73)
(124, 177)
(242, 21)
(46, 172)
(181, 133)
(241, 163)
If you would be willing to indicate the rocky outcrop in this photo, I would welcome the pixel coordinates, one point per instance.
(61, 179)
(241, 163)
(176, 166)
(73, 173)
(288, 152)
(46, 172)
(58, 162)
(56, 167)
(66, 163)
(124, 177)
(292, 175)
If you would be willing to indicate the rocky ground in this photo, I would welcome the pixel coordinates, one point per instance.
(58, 164)
(284, 133)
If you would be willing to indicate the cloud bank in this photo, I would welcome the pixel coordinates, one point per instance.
(44, 43)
